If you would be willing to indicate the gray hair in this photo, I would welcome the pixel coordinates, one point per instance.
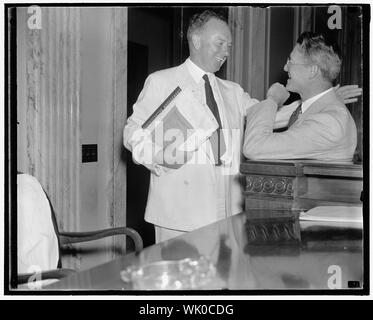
(321, 52)
(198, 21)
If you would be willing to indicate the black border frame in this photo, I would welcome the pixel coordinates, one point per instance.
(10, 172)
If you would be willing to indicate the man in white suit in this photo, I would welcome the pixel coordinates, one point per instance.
(199, 192)
(321, 127)
(191, 194)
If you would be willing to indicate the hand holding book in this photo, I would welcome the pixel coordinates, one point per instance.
(178, 127)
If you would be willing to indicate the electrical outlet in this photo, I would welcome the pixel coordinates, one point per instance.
(89, 153)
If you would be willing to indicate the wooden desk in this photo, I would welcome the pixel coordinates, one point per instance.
(301, 184)
(249, 253)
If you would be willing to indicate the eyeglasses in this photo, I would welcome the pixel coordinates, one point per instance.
(288, 62)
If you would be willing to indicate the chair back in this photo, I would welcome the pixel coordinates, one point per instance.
(55, 226)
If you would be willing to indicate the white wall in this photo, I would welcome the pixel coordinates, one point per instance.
(100, 81)
(21, 90)
(95, 120)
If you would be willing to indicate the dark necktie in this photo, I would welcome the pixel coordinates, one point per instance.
(217, 138)
(295, 115)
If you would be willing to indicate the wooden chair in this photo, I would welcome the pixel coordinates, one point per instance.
(66, 238)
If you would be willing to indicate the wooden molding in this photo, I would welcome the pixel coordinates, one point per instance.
(301, 185)
(269, 185)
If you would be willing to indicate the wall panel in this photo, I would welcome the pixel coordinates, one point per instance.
(52, 110)
(247, 64)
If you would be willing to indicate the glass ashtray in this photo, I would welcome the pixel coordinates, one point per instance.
(186, 274)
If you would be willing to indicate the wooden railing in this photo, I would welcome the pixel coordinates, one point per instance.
(301, 184)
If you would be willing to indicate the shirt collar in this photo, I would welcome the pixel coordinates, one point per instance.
(306, 104)
(196, 72)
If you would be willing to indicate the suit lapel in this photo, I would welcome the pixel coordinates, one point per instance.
(234, 121)
(185, 80)
(228, 104)
(320, 104)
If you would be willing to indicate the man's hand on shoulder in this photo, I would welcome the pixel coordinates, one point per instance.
(349, 93)
(278, 93)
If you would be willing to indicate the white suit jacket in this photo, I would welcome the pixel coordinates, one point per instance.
(326, 131)
(37, 244)
(186, 198)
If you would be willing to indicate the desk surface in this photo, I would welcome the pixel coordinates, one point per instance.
(249, 253)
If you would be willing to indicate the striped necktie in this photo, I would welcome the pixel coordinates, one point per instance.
(295, 115)
(217, 138)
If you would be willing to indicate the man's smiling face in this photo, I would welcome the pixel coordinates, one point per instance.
(298, 71)
(215, 41)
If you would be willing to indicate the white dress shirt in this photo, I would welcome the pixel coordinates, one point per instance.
(306, 104)
(197, 73)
